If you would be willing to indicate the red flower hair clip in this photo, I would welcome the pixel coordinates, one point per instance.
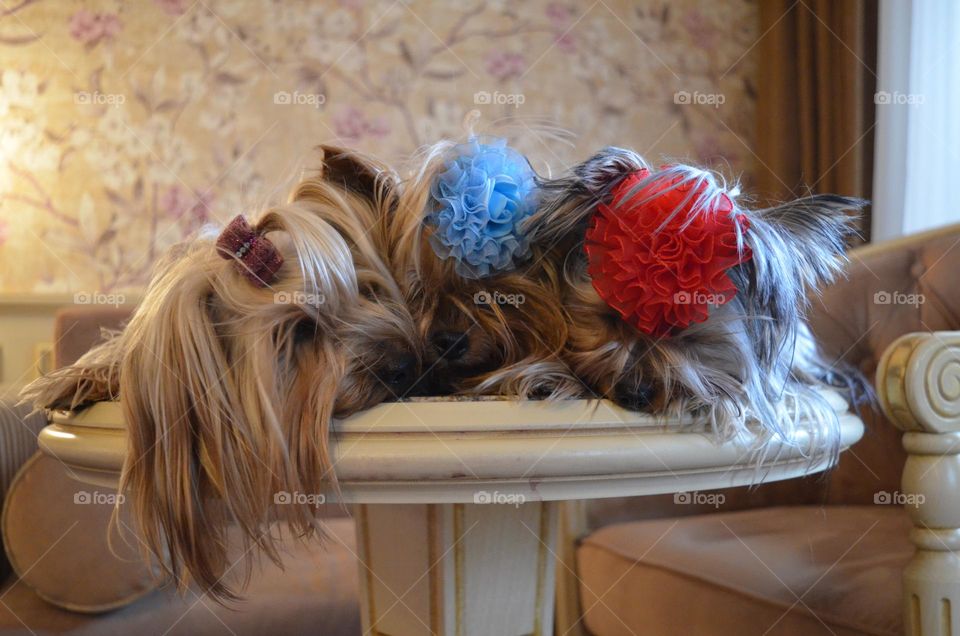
(659, 252)
(254, 255)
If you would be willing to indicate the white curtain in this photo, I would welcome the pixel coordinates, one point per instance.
(917, 171)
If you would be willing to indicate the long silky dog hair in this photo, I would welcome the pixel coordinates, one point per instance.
(753, 358)
(228, 388)
(500, 334)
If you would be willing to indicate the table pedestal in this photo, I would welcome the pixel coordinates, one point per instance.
(458, 569)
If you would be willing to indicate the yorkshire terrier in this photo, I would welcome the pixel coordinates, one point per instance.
(485, 299)
(231, 368)
(682, 301)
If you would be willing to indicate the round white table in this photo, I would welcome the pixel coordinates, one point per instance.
(458, 526)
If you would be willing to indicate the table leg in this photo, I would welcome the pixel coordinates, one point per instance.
(457, 569)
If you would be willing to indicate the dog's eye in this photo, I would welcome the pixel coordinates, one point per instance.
(633, 396)
(370, 291)
(304, 330)
(398, 373)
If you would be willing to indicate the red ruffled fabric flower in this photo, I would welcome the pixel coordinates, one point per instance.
(662, 281)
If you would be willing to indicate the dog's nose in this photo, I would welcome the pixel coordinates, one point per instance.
(400, 374)
(450, 345)
(634, 396)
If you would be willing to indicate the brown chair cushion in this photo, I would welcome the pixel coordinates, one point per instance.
(77, 329)
(55, 533)
(743, 572)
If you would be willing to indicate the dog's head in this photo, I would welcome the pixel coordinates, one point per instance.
(484, 297)
(680, 299)
(356, 194)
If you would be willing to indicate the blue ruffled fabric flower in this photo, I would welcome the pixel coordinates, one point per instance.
(481, 199)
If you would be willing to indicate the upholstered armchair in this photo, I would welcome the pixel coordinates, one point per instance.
(826, 554)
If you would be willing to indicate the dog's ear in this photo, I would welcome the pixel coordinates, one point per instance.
(811, 232)
(567, 203)
(796, 248)
(359, 173)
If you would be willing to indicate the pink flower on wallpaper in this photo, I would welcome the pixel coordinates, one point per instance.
(352, 124)
(200, 212)
(566, 43)
(173, 7)
(4, 232)
(89, 28)
(702, 31)
(559, 14)
(561, 18)
(178, 203)
(174, 202)
(503, 64)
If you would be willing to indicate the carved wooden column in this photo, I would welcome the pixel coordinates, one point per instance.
(457, 569)
(919, 385)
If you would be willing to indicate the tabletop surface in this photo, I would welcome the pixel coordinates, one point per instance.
(462, 451)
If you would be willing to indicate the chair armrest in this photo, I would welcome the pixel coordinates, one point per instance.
(18, 441)
(918, 382)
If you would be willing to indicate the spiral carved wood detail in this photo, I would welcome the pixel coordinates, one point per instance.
(919, 382)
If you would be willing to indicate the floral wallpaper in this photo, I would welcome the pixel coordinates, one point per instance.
(126, 126)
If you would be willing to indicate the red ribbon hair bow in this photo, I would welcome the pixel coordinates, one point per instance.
(659, 252)
(254, 255)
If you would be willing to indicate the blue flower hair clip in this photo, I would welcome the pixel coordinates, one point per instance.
(481, 200)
